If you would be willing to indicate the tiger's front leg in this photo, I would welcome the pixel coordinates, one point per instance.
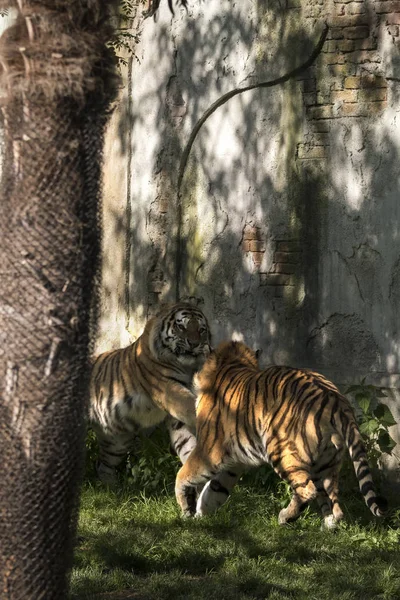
(112, 450)
(214, 493)
(196, 471)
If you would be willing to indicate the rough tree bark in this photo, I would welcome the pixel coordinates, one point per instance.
(57, 81)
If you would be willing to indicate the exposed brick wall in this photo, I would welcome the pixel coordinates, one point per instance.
(252, 241)
(286, 263)
(348, 80)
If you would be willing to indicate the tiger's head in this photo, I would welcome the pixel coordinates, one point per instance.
(226, 353)
(181, 334)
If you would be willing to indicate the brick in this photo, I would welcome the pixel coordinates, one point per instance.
(345, 96)
(321, 127)
(374, 108)
(342, 70)
(287, 257)
(330, 46)
(337, 84)
(246, 245)
(361, 110)
(355, 8)
(372, 95)
(340, 10)
(352, 82)
(346, 45)
(348, 21)
(335, 33)
(387, 7)
(320, 112)
(392, 19)
(285, 268)
(274, 279)
(310, 99)
(163, 205)
(352, 110)
(308, 74)
(320, 139)
(251, 233)
(324, 98)
(365, 44)
(356, 33)
(257, 258)
(373, 81)
(362, 56)
(309, 85)
(288, 246)
(257, 246)
(335, 58)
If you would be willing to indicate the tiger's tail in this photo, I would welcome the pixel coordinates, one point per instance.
(348, 429)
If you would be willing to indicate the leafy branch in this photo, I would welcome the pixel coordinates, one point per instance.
(375, 418)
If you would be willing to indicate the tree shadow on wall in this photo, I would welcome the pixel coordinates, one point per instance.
(245, 174)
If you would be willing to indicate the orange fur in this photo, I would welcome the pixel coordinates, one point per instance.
(294, 419)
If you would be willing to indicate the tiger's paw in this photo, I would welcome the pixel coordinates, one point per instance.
(283, 517)
(211, 498)
(329, 523)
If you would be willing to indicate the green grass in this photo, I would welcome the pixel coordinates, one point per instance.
(129, 540)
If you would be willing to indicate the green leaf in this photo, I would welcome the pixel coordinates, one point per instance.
(369, 427)
(385, 442)
(363, 400)
(383, 413)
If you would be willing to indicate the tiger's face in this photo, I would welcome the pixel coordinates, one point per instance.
(185, 333)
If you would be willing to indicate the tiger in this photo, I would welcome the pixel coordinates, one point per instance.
(296, 420)
(149, 382)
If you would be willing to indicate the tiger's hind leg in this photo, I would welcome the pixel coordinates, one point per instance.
(112, 450)
(304, 491)
(331, 493)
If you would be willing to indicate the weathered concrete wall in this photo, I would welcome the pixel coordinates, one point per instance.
(290, 224)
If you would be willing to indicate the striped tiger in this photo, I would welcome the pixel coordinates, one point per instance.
(137, 387)
(294, 419)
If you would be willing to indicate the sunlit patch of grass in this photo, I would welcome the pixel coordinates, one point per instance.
(131, 540)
